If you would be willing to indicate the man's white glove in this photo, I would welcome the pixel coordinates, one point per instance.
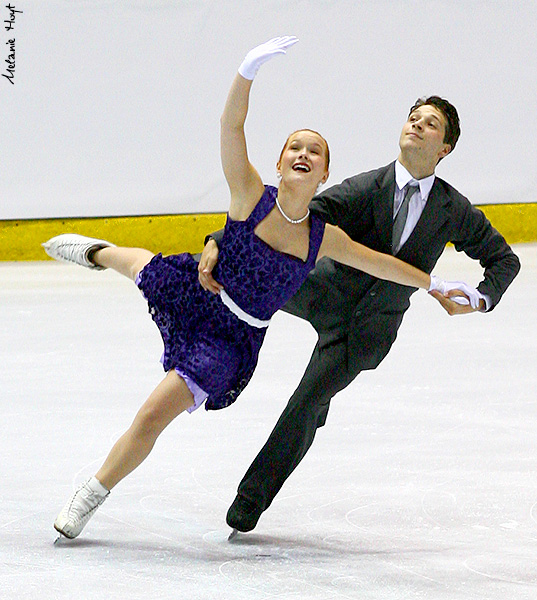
(261, 54)
(445, 286)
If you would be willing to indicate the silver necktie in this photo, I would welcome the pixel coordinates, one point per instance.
(400, 218)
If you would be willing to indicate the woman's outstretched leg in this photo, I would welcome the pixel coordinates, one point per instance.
(127, 261)
(169, 399)
(97, 254)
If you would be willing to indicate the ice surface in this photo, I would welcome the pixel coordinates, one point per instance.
(423, 484)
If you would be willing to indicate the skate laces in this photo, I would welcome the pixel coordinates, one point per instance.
(84, 502)
(69, 250)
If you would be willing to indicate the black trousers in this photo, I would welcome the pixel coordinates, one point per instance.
(326, 374)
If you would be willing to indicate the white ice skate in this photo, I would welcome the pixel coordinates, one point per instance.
(80, 508)
(74, 248)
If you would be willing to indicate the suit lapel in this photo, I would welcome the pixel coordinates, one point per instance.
(382, 200)
(435, 214)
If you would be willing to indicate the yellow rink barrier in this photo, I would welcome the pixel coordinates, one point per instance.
(169, 234)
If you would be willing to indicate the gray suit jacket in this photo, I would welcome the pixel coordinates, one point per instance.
(345, 304)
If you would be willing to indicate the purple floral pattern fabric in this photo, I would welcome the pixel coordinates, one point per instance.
(201, 336)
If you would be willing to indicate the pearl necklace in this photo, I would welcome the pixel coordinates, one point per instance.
(294, 221)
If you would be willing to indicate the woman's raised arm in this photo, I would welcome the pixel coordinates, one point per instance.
(244, 182)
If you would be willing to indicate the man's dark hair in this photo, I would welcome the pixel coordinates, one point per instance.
(453, 129)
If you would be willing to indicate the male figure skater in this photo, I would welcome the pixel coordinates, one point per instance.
(355, 315)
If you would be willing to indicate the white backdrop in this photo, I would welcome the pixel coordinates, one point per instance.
(115, 105)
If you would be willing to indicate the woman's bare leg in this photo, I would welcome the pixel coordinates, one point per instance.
(169, 399)
(127, 261)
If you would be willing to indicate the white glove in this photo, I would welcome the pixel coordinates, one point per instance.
(445, 286)
(261, 54)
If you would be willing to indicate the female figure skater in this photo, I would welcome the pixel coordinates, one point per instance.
(211, 341)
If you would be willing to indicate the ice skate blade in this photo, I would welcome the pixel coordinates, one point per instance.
(59, 539)
(233, 535)
(61, 534)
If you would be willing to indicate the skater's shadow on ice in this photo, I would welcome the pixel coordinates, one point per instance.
(63, 543)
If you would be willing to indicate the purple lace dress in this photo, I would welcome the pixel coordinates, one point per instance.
(202, 337)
